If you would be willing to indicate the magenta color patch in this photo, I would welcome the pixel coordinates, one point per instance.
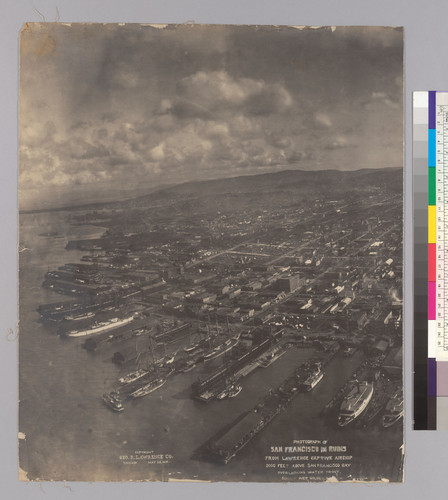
(431, 300)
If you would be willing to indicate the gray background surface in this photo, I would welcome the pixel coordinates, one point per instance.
(426, 68)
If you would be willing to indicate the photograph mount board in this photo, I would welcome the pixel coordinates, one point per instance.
(210, 253)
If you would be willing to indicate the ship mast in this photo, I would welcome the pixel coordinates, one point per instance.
(151, 349)
(208, 335)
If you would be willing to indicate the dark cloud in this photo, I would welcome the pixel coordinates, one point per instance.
(279, 140)
(297, 156)
(269, 100)
(83, 150)
(80, 125)
(205, 94)
(183, 108)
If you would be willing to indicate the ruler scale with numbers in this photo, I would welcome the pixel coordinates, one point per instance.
(430, 174)
(441, 188)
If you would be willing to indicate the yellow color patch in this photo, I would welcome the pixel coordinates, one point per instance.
(431, 224)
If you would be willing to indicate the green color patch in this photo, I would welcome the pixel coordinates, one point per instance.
(431, 186)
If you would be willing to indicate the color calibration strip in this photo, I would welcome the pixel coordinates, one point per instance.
(430, 163)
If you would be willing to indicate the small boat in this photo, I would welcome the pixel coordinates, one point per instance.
(191, 348)
(148, 388)
(138, 331)
(133, 376)
(222, 394)
(213, 353)
(234, 391)
(271, 357)
(315, 376)
(189, 366)
(77, 317)
(167, 360)
(170, 360)
(394, 409)
(113, 401)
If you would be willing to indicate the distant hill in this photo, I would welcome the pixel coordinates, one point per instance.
(281, 188)
(286, 179)
(274, 189)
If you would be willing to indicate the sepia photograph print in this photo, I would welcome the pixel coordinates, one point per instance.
(211, 239)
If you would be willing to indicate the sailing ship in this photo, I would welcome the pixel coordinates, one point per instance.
(133, 376)
(148, 388)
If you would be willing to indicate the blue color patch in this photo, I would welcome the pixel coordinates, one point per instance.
(431, 147)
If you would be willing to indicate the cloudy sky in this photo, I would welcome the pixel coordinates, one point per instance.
(108, 111)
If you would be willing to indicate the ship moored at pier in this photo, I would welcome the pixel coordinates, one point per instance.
(148, 388)
(100, 327)
(314, 376)
(355, 402)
